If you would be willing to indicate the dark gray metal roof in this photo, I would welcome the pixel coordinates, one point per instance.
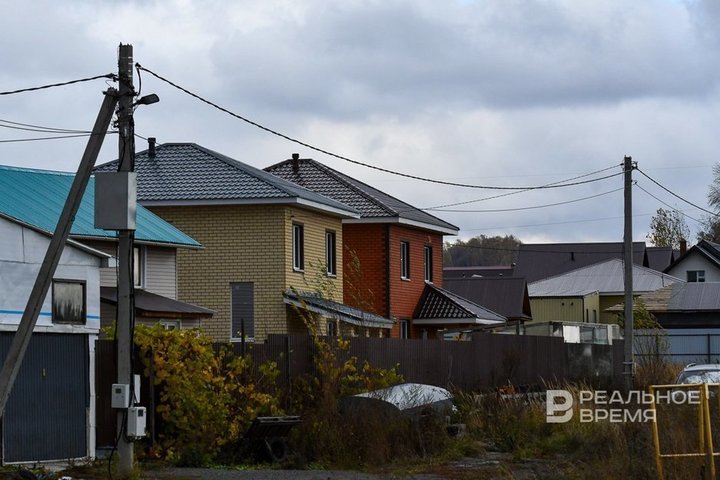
(153, 305)
(606, 278)
(437, 304)
(329, 308)
(682, 297)
(369, 201)
(659, 258)
(186, 173)
(477, 271)
(536, 261)
(505, 295)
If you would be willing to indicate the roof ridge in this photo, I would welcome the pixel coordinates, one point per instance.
(452, 296)
(339, 176)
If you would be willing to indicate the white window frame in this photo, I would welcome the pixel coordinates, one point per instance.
(405, 260)
(428, 264)
(331, 253)
(298, 247)
(139, 262)
(699, 276)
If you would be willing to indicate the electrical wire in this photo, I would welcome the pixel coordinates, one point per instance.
(37, 128)
(714, 214)
(111, 76)
(515, 192)
(555, 223)
(356, 162)
(57, 137)
(667, 204)
(528, 208)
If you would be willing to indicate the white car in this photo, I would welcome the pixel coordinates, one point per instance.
(700, 373)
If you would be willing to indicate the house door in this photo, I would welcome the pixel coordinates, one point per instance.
(46, 415)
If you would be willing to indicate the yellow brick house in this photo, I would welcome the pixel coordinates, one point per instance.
(266, 242)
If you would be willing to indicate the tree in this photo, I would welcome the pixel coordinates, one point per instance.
(668, 228)
(481, 251)
(710, 224)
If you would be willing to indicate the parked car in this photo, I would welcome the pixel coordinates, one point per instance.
(699, 373)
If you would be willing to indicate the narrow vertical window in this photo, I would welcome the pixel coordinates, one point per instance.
(404, 329)
(138, 267)
(242, 310)
(298, 247)
(405, 260)
(331, 328)
(330, 253)
(428, 264)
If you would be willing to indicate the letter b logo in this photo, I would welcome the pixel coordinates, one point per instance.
(558, 401)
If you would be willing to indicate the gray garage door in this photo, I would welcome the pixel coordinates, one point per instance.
(46, 415)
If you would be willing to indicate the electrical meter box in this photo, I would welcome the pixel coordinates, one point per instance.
(120, 397)
(115, 200)
(136, 422)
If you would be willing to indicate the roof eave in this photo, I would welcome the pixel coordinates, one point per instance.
(405, 221)
(254, 201)
(453, 321)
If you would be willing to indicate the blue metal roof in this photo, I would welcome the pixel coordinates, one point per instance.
(36, 198)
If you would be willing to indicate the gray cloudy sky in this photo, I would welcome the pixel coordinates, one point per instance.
(490, 92)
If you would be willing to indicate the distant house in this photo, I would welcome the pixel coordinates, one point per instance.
(584, 294)
(478, 271)
(265, 241)
(537, 261)
(507, 296)
(682, 305)
(660, 258)
(701, 263)
(393, 251)
(55, 418)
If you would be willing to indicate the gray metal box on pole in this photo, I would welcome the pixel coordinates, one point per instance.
(115, 200)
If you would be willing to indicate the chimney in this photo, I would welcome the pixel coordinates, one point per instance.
(683, 246)
(295, 163)
(151, 147)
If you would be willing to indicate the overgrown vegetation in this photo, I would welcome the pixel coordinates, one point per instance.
(206, 398)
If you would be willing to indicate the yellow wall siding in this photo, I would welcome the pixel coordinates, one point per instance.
(557, 309)
(592, 307)
(247, 243)
(315, 275)
(607, 302)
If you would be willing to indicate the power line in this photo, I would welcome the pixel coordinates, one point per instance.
(531, 207)
(553, 223)
(35, 139)
(37, 128)
(667, 204)
(714, 214)
(356, 162)
(520, 191)
(32, 89)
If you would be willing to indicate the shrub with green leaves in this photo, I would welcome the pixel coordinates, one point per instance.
(206, 398)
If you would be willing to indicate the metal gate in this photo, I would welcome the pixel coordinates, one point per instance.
(47, 413)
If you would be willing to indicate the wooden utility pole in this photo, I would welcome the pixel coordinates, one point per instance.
(628, 360)
(21, 339)
(125, 287)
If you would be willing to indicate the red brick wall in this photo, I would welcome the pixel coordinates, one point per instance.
(366, 287)
(405, 294)
(369, 292)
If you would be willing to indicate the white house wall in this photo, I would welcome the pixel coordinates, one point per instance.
(695, 261)
(22, 252)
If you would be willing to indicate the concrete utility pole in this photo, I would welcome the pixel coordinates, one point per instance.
(628, 360)
(125, 287)
(20, 341)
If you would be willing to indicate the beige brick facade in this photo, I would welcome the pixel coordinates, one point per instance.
(250, 243)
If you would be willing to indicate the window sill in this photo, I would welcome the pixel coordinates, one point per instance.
(405, 279)
(239, 340)
(331, 275)
(298, 270)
